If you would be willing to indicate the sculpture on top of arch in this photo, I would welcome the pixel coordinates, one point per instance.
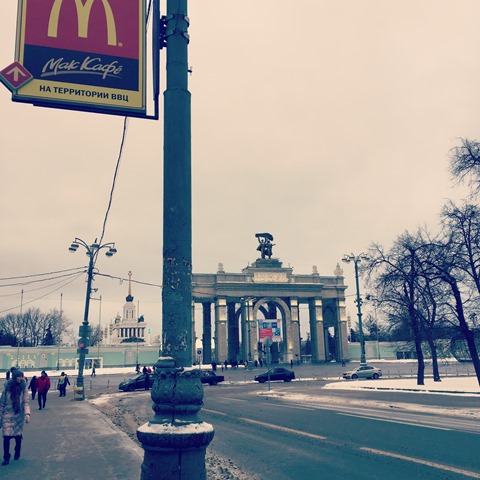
(265, 244)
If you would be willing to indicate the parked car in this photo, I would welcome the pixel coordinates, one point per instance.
(210, 377)
(363, 371)
(136, 383)
(277, 373)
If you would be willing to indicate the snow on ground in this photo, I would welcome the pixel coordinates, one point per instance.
(450, 385)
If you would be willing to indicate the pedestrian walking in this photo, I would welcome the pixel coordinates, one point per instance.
(14, 413)
(63, 381)
(43, 383)
(33, 386)
(93, 372)
(147, 381)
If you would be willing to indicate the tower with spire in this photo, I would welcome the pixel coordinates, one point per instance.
(129, 326)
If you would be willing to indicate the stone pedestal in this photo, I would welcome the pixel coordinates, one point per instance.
(175, 439)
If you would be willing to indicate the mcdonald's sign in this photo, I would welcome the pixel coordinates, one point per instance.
(83, 54)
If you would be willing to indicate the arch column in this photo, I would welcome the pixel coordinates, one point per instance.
(295, 329)
(316, 329)
(342, 329)
(207, 332)
(221, 352)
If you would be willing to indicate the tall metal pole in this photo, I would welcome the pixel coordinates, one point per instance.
(177, 186)
(21, 313)
(174, 450)
(59, 336)
(359, 313)
(356, 260)
(99, 331)
(84, 330)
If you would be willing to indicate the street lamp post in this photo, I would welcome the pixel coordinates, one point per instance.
(356, 260)
(375, 305)
(99, 334)
(92, 252)
(59, 335)
(18, 336)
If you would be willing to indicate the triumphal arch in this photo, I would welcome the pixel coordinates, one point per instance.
(268, 301)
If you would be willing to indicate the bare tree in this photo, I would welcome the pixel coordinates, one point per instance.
(34, 327)
(394, 276)
(465, 163)
(449, 260)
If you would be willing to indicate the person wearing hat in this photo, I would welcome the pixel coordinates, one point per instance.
(14, 413)
(43, 385)
(63, 381)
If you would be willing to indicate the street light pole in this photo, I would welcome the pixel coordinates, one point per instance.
(59, 335)
(21, 313)
(356, 260)
(84, 331)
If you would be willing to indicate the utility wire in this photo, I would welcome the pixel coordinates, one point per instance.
(124, 135)
(40, 280)
(42, 287)
(127, 279)
(41, 274)
(43, 296)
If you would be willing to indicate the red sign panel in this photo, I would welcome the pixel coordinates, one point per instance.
(15, 75)
(86, 53)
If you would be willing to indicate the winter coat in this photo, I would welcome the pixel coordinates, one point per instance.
(33, 385)
(63, 381)
(11, 422)
(43, 384)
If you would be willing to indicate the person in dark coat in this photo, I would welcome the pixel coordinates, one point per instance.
(43, 384)
(33, 386)
(14, 413)
(63, 381)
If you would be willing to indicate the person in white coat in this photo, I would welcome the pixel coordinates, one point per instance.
(14, 413)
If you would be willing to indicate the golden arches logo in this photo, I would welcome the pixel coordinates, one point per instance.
(83, 17)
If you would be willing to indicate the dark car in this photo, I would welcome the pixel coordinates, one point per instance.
(277, 373)
(210, 377)
(136, 383)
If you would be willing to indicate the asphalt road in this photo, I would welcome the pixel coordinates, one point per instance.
(362, 434)
(292, 441)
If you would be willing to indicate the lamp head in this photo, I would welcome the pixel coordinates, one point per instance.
(73, 247)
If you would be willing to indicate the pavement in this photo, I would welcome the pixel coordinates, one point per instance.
(71, 439)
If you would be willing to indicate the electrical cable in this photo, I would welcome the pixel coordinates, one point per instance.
(43, 296)
(42, 287)
(41, 274)
(124, 134)
(39, 280)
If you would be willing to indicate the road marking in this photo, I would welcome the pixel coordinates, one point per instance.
(412, 424)
(439, 466)
(284, 429)
(270, 425)
(215, 412)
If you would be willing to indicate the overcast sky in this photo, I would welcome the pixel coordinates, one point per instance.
(326, 123)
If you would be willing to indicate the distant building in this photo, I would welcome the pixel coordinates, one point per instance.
(129, 327)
